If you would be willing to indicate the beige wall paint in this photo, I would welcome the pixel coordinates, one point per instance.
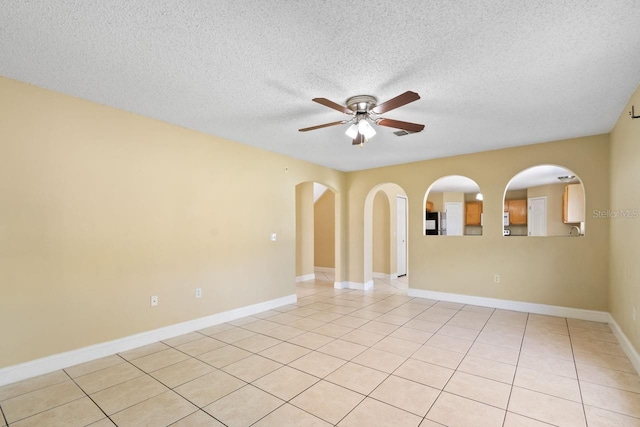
(324, 231)
(515, 194)
(381, 240)
(548, 271)
(624, 269)
(100, 209)
(304, 229)
(436, 199)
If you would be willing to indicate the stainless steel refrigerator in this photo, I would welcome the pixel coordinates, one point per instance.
(436, 223)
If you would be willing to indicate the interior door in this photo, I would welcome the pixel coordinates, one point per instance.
(401, 235)
(537, 221)
(454, 218)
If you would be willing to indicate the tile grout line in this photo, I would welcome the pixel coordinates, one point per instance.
(90, 398)
(53, 407)
(515, 372)
(569, 400)
(351, 361)
(322, 299)
(575, 367)
(245, 382)
(457, 366)
(4, 417)
(521, 343)
(575, 363)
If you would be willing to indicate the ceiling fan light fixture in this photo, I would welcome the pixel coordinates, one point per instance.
(366, 129)
(566, 178)
(364, 111)
(352, 131)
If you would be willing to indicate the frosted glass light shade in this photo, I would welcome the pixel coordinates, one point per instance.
(352, 132)
(366, 129)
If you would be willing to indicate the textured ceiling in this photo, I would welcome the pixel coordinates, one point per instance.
(491, 74)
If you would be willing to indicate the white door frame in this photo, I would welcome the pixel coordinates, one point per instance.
(461, 219)
(401, 236)
(530, 216)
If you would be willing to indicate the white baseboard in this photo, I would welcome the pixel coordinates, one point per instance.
(393, 276)
(324, 269)
(528, 307)
(354, 285)
(52, 363)
(626, 345)
(305, 277)
(383, 276)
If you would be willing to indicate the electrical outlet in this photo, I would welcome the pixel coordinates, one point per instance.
(274, 237)
(496, 278)
(633, 312)
(198, 292)
(154, 300)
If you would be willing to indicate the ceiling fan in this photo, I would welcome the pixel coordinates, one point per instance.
(364, 110)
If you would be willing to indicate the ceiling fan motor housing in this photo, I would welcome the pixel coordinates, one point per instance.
(362, 103)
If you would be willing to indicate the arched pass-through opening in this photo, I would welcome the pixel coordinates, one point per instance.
(453, 206)
(544, 200)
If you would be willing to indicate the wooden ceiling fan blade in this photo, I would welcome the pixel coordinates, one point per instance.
(331, 104)
(322, 126)
(358, 140)
(396, 102)
(411, 127)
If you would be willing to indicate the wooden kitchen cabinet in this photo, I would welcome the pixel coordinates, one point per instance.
(517, 211)
(473, 215)
(573, 204)
(429, 206)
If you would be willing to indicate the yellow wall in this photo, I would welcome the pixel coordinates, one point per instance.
(516, 194)
(548, 271)
(436, 199)
(100, 209)
(381, 240)
(304, 229)
(324, 230)
(624, 278)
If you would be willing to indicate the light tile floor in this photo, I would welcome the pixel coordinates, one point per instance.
(350, 358)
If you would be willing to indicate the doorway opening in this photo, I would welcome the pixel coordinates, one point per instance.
(316, 233)
(386, 237)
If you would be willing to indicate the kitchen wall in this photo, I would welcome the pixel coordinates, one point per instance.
(622, 215)
(436, 198)
(553, 193)
(547, 271)
(101, 208)
(516, 194)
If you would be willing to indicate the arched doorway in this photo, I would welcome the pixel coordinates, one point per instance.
(385, 234)
(316, 233)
